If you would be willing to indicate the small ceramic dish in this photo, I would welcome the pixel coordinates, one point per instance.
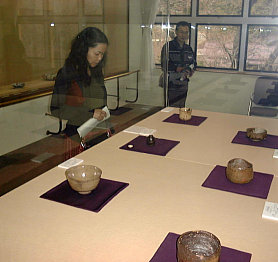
(198, 246)
(239, 171)
(83, 178)
(49, 77)
(185, 113)
(256, 133)
(18, 85)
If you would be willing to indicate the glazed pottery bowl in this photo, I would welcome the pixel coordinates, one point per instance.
(239, 171)
(256, 133)
(185, 113)
(83, 178)
(198, 246)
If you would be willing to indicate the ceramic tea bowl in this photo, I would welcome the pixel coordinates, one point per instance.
(185, 113)
(239, 171)
(198, 246)
(256, 133)
(83, 178)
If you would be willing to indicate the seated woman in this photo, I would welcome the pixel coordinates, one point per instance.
(79, 92)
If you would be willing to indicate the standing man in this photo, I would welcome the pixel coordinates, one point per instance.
(181, 65)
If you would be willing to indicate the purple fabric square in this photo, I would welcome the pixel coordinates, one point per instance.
(95, 201)
(194, 121)
(167, 252)
(271, 141)
(161, 146)
(258, 187)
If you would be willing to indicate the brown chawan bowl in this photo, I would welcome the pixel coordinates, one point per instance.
(198, 246)
(239, 171)
(83, 178)
(256, 133)
(185, 113)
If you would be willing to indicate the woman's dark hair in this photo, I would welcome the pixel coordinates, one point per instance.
(89, 37)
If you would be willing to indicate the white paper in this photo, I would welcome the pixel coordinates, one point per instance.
(270, 210)
(143, 131)
(275, 154)
(84, 129)
(167, 109)
(71, 162)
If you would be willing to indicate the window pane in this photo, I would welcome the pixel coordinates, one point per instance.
(176, 7)
(159, 34)
(218, 46)
(262, 49)
(220, 7)
(263, 8)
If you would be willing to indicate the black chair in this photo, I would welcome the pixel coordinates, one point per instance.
(264, 99)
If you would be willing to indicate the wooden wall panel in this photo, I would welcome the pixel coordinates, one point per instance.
(32, 37)
(99, 26)
(30, 7)
(116, 29)
(61, 36)
(63, 7)
(39, 32)
(93, 7)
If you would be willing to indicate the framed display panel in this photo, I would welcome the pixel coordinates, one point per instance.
(220, 7)
(262, 48)
(176, 7)
(263, 8)
(218, 46)
(159, 38)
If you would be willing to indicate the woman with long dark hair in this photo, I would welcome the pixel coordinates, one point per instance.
(79, 92)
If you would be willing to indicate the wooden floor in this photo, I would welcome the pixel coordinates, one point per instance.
(17, 167)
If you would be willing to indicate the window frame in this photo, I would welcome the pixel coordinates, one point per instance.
(198, 15)
(189, 15)
(239, 49)
(250, 15)
(246, 49)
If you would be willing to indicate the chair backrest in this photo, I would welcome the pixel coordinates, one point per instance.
(263, 84)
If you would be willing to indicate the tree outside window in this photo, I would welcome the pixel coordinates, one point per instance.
(176, 7)
(262, 48)
(218, 46)
(220, 8)
(263, 8)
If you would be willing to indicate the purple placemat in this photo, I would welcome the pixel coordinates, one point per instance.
(258, 187)
(194, 121)
(161, 146)
(167, 252)
(95, 201)
(271, 141)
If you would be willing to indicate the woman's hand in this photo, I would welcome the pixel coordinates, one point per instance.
(99, 114)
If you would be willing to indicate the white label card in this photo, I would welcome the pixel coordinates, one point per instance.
(275, 155)
(71, 162)
(270, 210)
